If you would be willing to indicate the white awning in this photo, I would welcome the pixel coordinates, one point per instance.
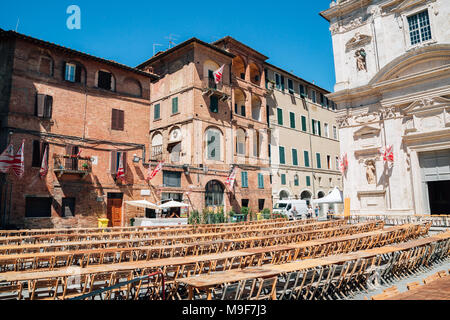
(142, 204)
(334, 196)
(173, 204)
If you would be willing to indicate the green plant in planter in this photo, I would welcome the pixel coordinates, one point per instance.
(85, 166)
(266, 213)
(220, 215)
(194, 217)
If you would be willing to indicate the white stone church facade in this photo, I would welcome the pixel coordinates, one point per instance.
(392, 61)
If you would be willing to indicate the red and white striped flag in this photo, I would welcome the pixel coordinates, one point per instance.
(7, 158)
(79, 153)
(152, 174)
(387, 153)
(18, 165)
(230, 180)
(218, 74)
(120, 170)
(343, 163)
(44, 166)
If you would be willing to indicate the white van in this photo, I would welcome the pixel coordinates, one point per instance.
(293, 209)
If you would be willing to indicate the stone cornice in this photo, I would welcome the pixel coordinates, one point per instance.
(343, 7)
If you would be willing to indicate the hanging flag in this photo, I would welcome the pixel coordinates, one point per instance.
(218, 74)
(6, 159)
(387, 153)
(79, 153)
(120, 170)
(18, 165)
(230, 180)
(152, 174)
(44, 166)
(343, 163)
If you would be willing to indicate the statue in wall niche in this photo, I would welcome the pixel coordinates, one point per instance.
(371, 172)
(360, 56)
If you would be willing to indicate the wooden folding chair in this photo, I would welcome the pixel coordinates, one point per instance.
(43, 289)
(264, 289)
(230, 291)
(11, 292)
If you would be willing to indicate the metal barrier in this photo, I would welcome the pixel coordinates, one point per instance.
(121, 284)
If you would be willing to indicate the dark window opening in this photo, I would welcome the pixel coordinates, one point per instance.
(261, 204)
(68, 207)
(172, 179)
(104, 80)
(38, 153)
(38, 207)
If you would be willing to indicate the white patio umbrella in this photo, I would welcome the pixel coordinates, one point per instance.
(142, 204)
(173, 204)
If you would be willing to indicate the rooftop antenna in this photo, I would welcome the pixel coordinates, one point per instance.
(17, 24)
(154, 47)
(171, 39)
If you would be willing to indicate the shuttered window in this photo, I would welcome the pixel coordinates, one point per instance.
(117, 119)
(213, 144)
(280, 116)
(244, 179)
(283, 179)
(114, 161)
(260, 181)
(308, 181)
(294, 157)
(292, 118)
(290, 86)
(319, 130)
(302, 90)
(296, 183)
(306, 156)
(314, 128)
(156, 112)
(282, 83)
(282, 156)
(214, 104)
(175, 105)
(304, 124)
(38, 153)
(318, 161)
(44, 106)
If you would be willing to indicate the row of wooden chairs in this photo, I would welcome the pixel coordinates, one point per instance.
(205, 266)
(336, 281)
(389, 219)
(167, 240)
(31, 232)
(54, 260)
(50, 238)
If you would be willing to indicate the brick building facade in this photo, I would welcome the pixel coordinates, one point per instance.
(197, 134)
(71, 102)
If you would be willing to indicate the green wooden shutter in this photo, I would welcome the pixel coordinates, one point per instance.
(157, 112)
(306, 155)
(313, 122)
(296, 180)
(282, 83)
(318, 160)
(175, 105)
(308, 181)
(294, 157)
(282, 156)
(214, 104)
(260, 181)
(280, 116)
(283, 179)
(320, 130)
(304, 123)
(292, 115)
(244, 178)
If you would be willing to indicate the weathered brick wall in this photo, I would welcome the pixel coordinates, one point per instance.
(83, 111)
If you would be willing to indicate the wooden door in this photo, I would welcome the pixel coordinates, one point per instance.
(115, 212)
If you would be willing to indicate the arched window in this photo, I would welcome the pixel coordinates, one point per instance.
(175, 152)
(320, 194)
(239, 102)
(157, 143)
(284, 195)
(255, 75)
(105, 80)
(305, 195)
(240, 141)
(214, 194)
(238, 68)
(213, 144)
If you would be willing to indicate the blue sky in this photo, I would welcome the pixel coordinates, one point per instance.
(290, 32)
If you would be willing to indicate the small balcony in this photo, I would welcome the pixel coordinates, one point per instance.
(210, 88)
(73, 165)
